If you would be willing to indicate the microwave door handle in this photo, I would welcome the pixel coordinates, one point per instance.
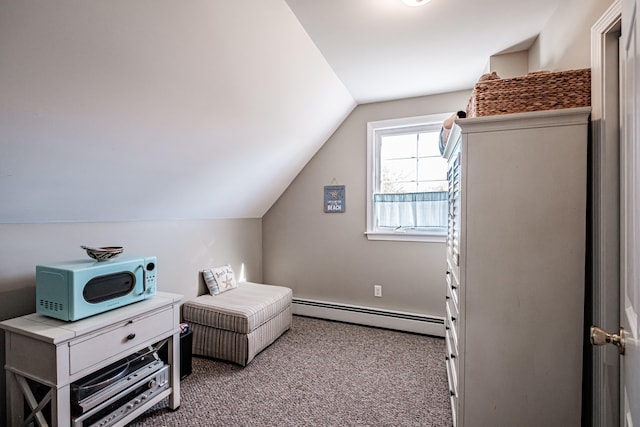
(144, 279)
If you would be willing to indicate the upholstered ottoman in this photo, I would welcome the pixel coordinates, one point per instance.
(238, 324)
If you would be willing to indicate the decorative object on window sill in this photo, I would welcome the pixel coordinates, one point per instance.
(446, 129)
(334, 198)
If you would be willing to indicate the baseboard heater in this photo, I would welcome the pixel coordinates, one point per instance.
(408, 322)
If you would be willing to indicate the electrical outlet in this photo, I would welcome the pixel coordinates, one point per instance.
(377, 290)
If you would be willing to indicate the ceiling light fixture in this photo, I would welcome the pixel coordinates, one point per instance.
(415, 2)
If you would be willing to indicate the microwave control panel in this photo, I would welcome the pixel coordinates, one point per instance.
(150, 268)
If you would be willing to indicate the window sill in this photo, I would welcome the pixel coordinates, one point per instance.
(407, 237)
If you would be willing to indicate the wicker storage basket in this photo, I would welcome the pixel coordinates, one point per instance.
(536, 91)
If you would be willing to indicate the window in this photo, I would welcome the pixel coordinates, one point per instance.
(407, 180)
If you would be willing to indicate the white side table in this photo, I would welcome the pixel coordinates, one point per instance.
(55, 353)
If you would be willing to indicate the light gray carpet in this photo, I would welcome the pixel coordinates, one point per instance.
(320, 373)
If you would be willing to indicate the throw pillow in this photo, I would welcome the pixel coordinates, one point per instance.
(225, 278)
(211, 282)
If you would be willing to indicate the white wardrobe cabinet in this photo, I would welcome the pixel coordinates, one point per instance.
(516, 268)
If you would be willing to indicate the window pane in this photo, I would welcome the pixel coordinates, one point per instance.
(432, 168)
(398, 187)
(399, 170)
(398, 146)
(428, 145)
(430, 186)
(409, 193)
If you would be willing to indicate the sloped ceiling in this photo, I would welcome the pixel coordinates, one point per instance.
(383, 49)
(117, 110)
(157, 109)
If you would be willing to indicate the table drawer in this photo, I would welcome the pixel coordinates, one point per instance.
(453, 286)
(110, 342)
(451, 298)
(454, 270)
(451, 327)
(452, 375)
(453, 391)
(452, 355)
(452, 314)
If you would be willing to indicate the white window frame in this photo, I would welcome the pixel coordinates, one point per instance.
(374, 129)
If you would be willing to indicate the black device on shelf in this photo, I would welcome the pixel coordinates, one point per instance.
(186, 340)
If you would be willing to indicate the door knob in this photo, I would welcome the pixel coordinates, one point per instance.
(601, 337)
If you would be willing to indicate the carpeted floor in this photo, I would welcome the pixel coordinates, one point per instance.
(320, 373)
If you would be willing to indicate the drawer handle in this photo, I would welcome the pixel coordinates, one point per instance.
(453, 393)
(453, 356)
(454, 287)
(131, 336)
(453, 319)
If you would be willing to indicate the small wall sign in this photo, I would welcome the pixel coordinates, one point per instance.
(334, 199)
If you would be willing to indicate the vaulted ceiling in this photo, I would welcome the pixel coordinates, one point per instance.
(155, 109)
(383, 49)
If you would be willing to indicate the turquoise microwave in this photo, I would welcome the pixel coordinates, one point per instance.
(73, 290)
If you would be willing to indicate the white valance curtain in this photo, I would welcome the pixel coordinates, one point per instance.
(411, 210)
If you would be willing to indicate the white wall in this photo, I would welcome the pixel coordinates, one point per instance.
(143, 110)
(509, 65)
(327, 256)
(565, 41)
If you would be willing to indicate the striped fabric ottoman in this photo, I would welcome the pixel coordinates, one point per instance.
(238, 324)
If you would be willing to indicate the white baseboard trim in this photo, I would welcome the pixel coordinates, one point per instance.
(401, 321)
